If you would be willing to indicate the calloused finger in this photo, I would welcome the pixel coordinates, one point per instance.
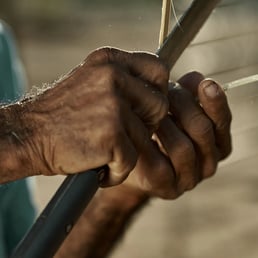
(181, 153)
(128, 142)
(150, 104)
(198, 127)
(214, 102)
(155, 173)
(123, 160)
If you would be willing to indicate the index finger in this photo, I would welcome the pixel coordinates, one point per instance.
(214, 102)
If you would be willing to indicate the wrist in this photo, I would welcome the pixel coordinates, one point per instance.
(15, 149)
(123, 197)
(103, 221)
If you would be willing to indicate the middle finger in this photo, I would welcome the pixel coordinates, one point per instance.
(181, 153)
(198, 126)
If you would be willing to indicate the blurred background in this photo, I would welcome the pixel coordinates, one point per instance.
(55, 35)
(219, 218)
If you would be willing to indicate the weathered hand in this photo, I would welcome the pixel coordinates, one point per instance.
(192, 139)
(100, 113)
(186, 149)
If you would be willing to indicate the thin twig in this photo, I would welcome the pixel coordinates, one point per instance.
(183, 33)
(240, 82)
(165, 18)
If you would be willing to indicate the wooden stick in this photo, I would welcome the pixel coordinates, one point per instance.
(165, 18)
(240, 82)
(183, 33)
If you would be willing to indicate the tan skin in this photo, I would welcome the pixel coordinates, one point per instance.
(96, 115)
(192, 139)
(115, 109)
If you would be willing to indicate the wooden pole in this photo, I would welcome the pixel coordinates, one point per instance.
(165, 19)
(184, 32)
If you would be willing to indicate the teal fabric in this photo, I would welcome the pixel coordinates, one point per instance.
(17, 211)
(17, 214)
(12, 78)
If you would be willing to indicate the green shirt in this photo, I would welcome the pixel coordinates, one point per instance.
(17, 212)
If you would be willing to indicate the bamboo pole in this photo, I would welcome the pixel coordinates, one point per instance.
(184, 32)
(165, 19)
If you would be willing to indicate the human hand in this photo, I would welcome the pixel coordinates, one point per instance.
(100, 113)
(187, 147)
(189, 143)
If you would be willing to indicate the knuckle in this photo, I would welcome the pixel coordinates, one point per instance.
(184, 149)
(187, 182)
(99, 55)
(199, 125)
(123, 163)
(129, 164)
(109, 73)
(104, 50)
(224, 124)
(191, 184)
(159, 75)
(163, 71)
(186, 169)
(160, 110)
(126, 165)
(164, 184)
(162, 77)
(116, 178)
(168, 194)
(105, 79)
(183, 156)
(109, 54)
(113, 106)
(211, 169)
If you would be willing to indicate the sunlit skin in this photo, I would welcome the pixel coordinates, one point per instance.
(192, 139)
(101, 113)
(116, 108)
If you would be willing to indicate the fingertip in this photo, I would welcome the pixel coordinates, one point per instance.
(210, 89)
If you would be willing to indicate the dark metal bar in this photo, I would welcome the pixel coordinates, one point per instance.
(59, 216)
(57, 219)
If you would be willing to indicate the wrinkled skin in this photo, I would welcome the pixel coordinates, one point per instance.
(193, 138)
(185, 149)
(103, 112)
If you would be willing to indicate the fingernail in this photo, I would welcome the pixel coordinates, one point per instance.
(211, 89)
